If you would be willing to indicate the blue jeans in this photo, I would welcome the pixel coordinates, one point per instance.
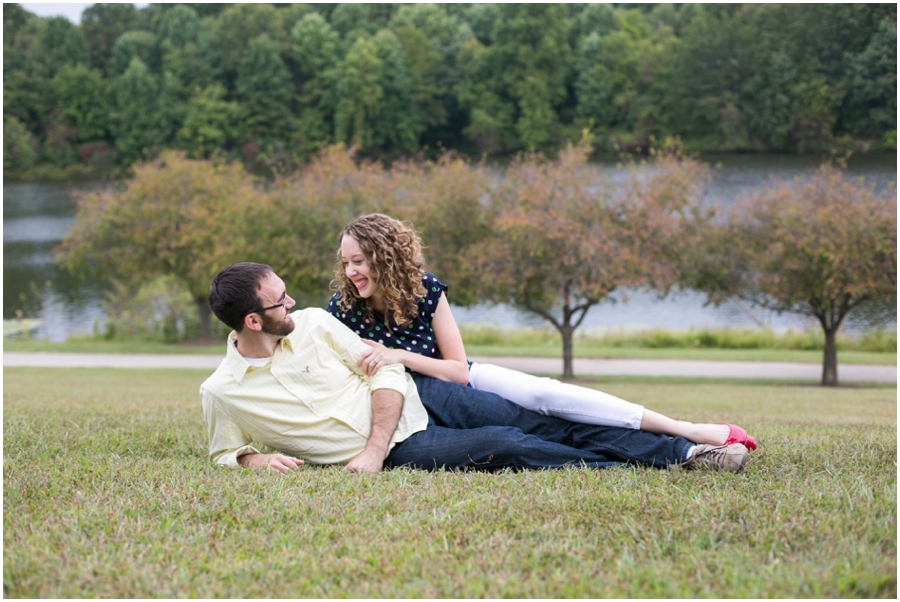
(468, 428)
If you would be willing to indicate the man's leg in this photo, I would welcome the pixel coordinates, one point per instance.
(487, 448)
(457, 407)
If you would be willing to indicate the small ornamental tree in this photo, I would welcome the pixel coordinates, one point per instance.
(297, 230)
(176, 217)
(443, 200)
(563, 241)
(820, 248)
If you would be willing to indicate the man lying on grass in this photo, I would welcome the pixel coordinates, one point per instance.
(291, 381)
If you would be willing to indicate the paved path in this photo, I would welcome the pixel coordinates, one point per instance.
(773, 370)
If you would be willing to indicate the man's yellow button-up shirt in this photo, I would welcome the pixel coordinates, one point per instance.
(310, 401)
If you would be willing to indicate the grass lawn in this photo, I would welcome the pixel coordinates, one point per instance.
(108, 492)
(585, 349)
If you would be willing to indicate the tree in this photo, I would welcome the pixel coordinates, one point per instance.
(872, 83)
(490, 117)
(172, 108)
(57, 43)
(265, 90)
(210, 123)
(296, 232)
(594, 89)
(563, 239)
(83, 101)
(771, 117)
(704, 80)
(179, 26)
(135, 117)
(18, 145)
(358, 95)
(131, 44)
(36, 50)
(197, 61)
(102, 25)
(239, 24)
(177, 217)
(531, 60)
(399, 123)
(354, 20)
(314, 47)
(820, 248)
(374, 109)
(443, 200)
(431, 40)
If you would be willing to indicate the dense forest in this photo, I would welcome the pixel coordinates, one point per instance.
(269, 84)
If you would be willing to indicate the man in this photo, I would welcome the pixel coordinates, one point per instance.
(291, 381)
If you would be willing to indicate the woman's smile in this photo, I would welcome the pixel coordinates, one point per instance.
(356, 267)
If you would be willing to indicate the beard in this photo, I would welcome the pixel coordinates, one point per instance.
(279, 328)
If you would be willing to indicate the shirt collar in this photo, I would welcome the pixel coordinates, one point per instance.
(236, 363)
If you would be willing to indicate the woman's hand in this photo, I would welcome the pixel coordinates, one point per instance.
(377, 356)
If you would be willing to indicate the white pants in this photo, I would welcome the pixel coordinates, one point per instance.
(553, 398)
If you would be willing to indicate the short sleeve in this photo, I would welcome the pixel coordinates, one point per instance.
(434, 288)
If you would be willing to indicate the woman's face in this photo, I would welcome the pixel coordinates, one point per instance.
(356, 267)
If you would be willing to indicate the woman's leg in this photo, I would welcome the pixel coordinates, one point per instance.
(554, 398)
(653, 422)
(583, 404)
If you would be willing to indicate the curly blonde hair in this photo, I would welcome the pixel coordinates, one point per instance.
(394, 253)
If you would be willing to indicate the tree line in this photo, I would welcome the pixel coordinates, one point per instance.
(554, 237)
(270, 84)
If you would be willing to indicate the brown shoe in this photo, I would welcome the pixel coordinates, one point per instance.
(729, 458)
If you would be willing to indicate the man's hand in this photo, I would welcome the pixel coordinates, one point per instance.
(276, 462)
(387, 406)
(367, 461)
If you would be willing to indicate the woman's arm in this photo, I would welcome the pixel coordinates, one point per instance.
(453, 367)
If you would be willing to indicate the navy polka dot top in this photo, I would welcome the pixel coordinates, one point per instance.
(417, 337)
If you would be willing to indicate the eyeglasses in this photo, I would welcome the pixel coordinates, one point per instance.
(279, 304)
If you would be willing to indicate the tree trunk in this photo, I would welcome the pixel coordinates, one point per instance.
(566, 331)
(829, 364)
(205, 315)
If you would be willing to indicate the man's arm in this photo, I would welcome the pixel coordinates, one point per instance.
(350, 348)
(387, 405)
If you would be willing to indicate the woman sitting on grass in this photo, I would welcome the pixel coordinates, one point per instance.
(402, 313)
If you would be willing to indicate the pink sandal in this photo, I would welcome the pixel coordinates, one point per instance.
(738, 435)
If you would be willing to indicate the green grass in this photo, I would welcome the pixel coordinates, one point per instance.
(92, 345)
(108, 492)
(754, 346)
(733, 355)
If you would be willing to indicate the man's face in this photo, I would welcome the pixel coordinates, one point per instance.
(275, 320)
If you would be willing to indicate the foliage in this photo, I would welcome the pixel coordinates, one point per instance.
(264, 90)
(107, 483)
(157, 310)
(296, 228)
(562, 241)
(84, 101)
(402, 80)
(484, 335)
(821, 248)
(443, 200)
(103, 24)
(177, 217)
(135, 117)
(18, 145)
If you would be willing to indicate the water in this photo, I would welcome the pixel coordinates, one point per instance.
(37, 214)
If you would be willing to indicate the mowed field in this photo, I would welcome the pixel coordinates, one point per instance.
(108, 492)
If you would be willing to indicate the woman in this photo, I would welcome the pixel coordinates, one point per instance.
(402, 313)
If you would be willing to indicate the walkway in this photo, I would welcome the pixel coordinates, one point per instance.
(767, 370)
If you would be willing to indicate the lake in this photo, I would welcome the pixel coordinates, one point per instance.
(37, 214)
